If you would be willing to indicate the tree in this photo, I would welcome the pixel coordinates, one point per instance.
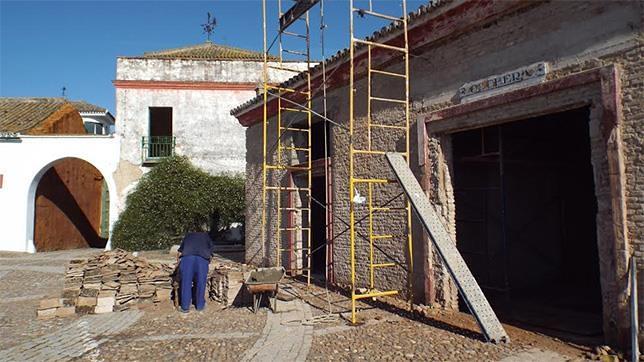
(176, 197)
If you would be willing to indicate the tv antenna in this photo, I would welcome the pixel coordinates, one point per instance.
(209, 26)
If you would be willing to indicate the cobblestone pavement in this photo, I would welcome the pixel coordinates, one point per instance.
(24, 280)
(285, 337)
(535, 355)
(214, 334)
(391, 333)
(74, 340)
(303, 328)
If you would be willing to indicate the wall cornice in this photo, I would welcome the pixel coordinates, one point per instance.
(153, 84)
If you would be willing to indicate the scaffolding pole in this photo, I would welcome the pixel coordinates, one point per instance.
(291, 141)
(372, 181)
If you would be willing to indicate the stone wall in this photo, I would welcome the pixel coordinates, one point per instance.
(633, 138)
(254, 249)
(260, 252)
(601, 34)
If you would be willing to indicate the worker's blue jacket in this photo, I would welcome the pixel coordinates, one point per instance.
(199, 244)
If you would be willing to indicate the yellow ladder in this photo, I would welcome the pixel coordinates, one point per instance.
(358, 47)
(294, 118)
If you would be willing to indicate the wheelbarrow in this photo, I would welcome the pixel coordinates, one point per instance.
(263, 283)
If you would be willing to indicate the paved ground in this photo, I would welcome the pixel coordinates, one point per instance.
(301, 330)
(284, 337)
(76, 339)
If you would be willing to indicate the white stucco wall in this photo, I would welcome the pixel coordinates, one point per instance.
(180, 70)
(22, 165)
(204, 129)
(201, 122)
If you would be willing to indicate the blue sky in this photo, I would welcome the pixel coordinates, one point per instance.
(45, 45)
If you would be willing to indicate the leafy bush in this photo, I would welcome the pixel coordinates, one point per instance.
(176, 197)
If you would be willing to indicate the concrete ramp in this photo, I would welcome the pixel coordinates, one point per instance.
(467, 285)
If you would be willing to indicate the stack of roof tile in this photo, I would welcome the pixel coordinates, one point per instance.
(224, 284)
(110, 281)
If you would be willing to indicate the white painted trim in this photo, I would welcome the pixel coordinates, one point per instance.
(69, 136)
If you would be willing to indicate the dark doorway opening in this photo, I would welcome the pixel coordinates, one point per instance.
(318, 227)
(319, 131)
(161, 141)
(318, 208)
(526, 221)
(71, 207)
(319, 150)
(160, 121)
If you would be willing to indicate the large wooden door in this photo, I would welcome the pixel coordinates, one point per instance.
(68, 207)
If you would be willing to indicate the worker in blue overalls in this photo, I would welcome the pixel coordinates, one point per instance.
(195, 252)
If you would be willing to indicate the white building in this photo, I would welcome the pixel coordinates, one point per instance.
(97, 120)
(178, 101)
(55, 179)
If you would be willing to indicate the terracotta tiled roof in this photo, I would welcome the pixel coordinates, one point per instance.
(206, 51)
(23, 114)
(84, 107)
(343, 55)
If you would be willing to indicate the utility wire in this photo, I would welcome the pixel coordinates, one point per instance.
(303, 107)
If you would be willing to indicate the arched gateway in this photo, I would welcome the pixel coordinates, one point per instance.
(55, 191)
(71, 207)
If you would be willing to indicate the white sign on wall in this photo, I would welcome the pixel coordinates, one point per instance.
(514, 79)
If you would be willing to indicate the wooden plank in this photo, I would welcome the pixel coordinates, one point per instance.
(295, 12)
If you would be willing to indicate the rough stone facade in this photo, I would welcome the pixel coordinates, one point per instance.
(602, 37)
(594, 53)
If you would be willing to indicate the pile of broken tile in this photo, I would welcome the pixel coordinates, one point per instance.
(111, 281)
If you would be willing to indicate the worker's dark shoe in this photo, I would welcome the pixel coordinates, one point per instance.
(183, 311)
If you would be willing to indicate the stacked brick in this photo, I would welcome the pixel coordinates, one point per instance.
(111, 281)
(224, 284)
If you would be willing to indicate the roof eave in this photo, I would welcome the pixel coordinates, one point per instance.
(191, 59)
(100, 114)
(459, 15)
(341, 57)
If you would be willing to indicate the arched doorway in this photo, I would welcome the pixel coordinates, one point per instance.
(71, 207)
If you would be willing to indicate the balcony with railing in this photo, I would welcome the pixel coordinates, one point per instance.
(156, 148)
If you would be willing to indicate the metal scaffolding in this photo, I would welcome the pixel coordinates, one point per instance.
(369, 59)
(292, 130)
(372, 182)
(299, 102)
